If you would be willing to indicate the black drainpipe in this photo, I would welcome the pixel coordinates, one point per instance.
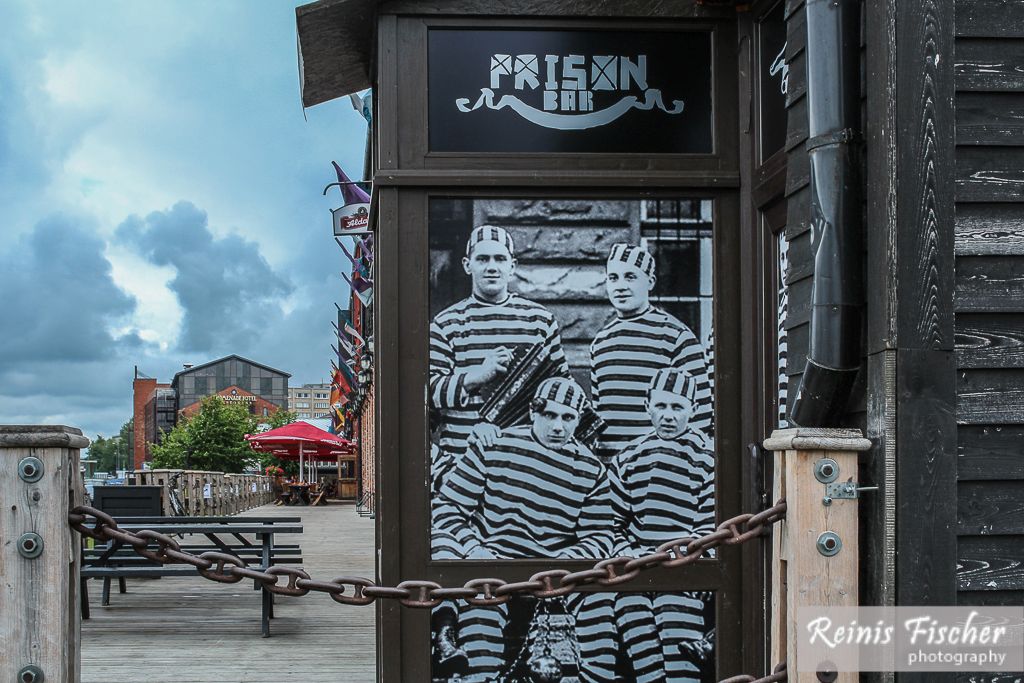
(833, 107)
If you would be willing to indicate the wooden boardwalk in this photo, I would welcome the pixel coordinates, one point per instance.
(191, 630)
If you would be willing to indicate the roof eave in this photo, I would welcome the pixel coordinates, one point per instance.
(174, 381)
(335, 47)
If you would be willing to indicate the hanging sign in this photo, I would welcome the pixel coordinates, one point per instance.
(352, 219)
(569, 91)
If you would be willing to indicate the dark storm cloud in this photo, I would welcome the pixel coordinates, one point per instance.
(59, 297)
(227, 290)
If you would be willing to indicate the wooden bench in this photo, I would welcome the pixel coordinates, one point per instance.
(224, 534)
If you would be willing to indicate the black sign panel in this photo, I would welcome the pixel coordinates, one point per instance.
(570, 91)
(774, 81)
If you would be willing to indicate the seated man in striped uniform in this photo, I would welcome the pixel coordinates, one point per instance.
(663, 489)
(638, 342)
(535, 493)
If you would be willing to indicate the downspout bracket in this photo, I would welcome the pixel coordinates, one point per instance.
(846, 136)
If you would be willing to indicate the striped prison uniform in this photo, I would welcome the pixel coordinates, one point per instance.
(625, 354)
(662, 489)
(648, 627)
(521, 499)
(653, 626)
(461, 337)
(782, 336)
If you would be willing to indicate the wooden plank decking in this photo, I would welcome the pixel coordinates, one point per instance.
(190, 630)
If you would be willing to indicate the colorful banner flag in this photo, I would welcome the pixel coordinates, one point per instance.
(367, 246)
(354, 216)
(359, 284)
(340, 387)
(354, 333)
(346, 370)
(358, 262)
(345, 345)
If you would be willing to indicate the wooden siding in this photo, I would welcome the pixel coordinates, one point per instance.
(989, 300)
(799, 275)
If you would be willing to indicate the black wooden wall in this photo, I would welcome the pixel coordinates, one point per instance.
(944, 369)
(989, 300)
(798, 277)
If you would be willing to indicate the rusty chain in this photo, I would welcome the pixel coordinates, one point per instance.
(226, 568)
(347, 590)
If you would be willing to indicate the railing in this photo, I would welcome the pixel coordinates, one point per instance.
(814, 543)
(206, 494)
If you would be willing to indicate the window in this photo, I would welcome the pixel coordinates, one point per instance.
(320, 394)
(320, 404)
(678, 232)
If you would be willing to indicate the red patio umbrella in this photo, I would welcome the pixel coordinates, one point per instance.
(298, 440)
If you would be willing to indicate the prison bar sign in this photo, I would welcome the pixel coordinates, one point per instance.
(569, 91)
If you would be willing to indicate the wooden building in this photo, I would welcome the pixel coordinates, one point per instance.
(939, 389)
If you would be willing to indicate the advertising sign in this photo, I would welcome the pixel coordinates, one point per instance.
(570, 91)
(352, 219)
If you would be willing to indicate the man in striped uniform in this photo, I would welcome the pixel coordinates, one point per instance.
(663, 489)
(472, 342)
(471, 347)
(638, 342)
(535, 493)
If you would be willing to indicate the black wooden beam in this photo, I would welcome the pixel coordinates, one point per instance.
(925, 381)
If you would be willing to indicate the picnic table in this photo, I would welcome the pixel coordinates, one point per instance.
(224, 534)
(301, 491)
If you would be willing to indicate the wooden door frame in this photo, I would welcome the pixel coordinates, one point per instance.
(403, 184)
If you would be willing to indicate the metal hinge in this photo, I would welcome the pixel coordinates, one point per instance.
(844, 490)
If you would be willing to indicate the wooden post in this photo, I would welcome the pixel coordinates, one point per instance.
(801, 575)
(160, 478)
(39, 617)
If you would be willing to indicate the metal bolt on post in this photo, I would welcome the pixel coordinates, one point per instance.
(814, 558)
(41, 482)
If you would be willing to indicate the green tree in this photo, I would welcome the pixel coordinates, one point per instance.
(213, 439)
(279, 418)
(116, 452)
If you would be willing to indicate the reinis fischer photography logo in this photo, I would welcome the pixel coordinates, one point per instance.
(910, 639)
(569, 92)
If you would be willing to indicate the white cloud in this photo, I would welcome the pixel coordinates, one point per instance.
(124, 108)
(158, 313)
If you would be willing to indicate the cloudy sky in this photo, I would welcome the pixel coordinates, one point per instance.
(160, 200)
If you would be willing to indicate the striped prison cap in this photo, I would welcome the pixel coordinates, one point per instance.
(562, 390)
(634, 256)
(492, 233)
(674, 381)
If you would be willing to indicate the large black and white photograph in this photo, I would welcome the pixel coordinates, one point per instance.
(570, 391)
